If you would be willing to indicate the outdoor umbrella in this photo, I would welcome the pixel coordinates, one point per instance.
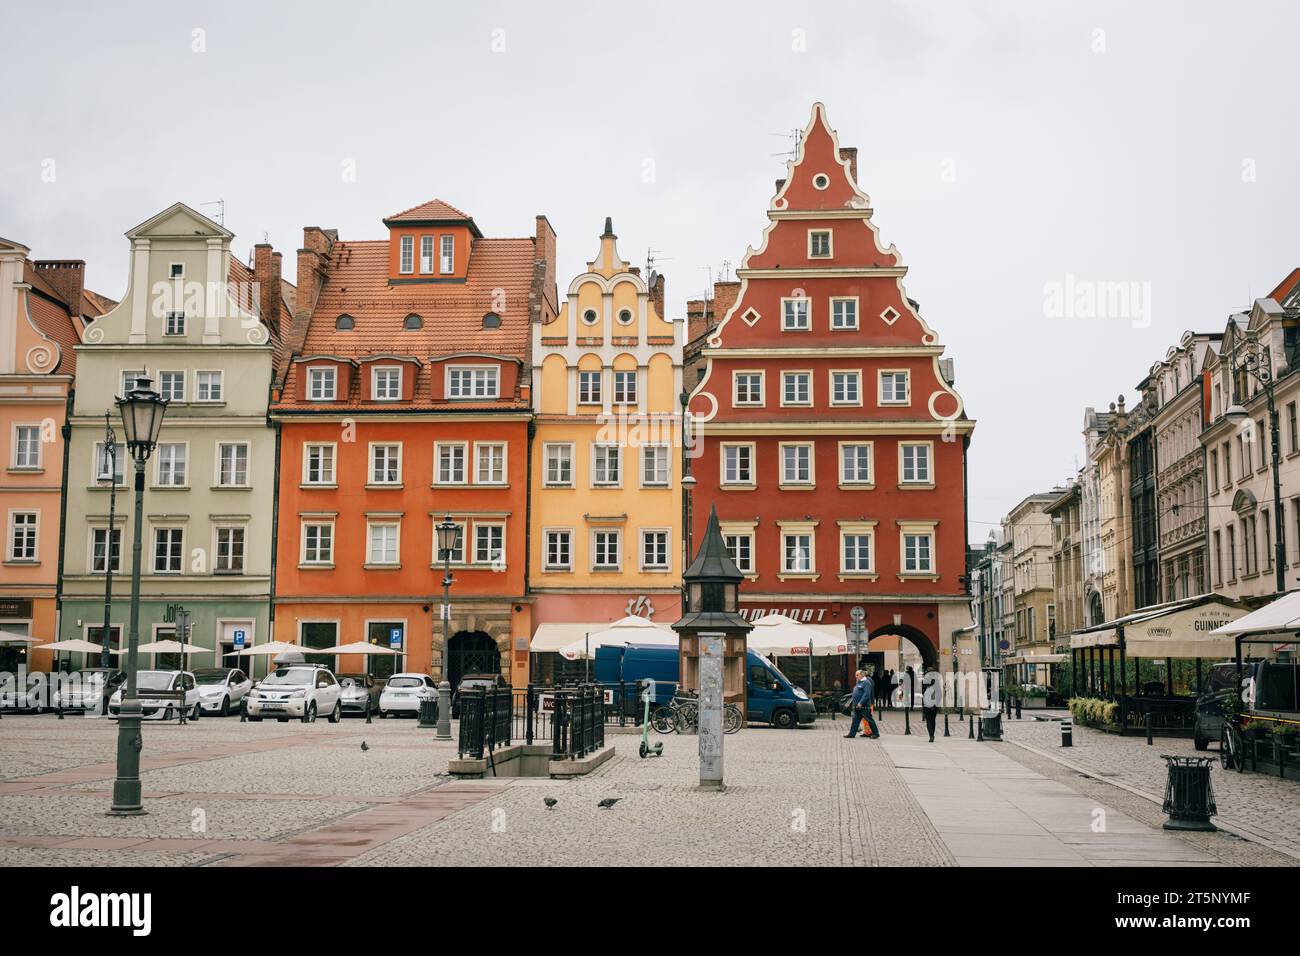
(75, 646)
(271, 648)
(357, 647)
(786, 637)
(627, 630)
(10, 637)
(171, 647)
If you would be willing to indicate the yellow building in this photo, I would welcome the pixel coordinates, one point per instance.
(606, 500)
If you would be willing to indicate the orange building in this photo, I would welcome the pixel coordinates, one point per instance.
(405, 399)
(42, 308)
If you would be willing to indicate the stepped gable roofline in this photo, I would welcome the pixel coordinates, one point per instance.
(435, 212)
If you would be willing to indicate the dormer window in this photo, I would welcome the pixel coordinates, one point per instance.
(473, 381)
(413, 321)
(386, 383)
(491, 321)
(426, 255)
(345, 323)
(322, 384)
(448, 257)
(407, 263)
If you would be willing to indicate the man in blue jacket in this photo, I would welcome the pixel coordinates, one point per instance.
(863, 695)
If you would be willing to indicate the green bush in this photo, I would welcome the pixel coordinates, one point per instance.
(1093, 710)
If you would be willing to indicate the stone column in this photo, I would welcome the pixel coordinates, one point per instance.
(710, 725)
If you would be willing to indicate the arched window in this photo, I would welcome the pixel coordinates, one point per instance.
(345, 322)
(413, 321)
(491, 321)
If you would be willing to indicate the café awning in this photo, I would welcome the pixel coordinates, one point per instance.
(1037, 659)
(1280, 616)
(549, 638)
(1182, 629)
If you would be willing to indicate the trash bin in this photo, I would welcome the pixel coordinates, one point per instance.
(1189, 795)
(429, 712)
(991, 727)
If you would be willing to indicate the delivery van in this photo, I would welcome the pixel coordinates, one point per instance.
(770, 698)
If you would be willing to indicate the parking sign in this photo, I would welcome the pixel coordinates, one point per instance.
(239, 640)
(394, 637)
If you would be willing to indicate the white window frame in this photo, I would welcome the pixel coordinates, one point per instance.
(174, 323)
(171, 270)
(800, 532)
(108, 545)
(747, 568)
(749, 482)
(162, 384)
(837, 300)
(447, 254)
(858, 482)
(627, 381)
(547, 449)
(856, 375)
(596, 449)
(787, 375)
(31, 535)
(158, 465)
(465, 464)
(220, 380)
(217, 530)
(119, 465)
(916, 530)
(406, 255)
(375, 373)
(322, 482)
(830, 243)
(248, 464)
(371, 460)
(659, 567)
(786, 317)
(132, 376)
(374, 523)
(928, 480)
(547, 563)
(585, 378)
(907, 387)
(311, 521)
(458, 555)
(17, 463)
(811, 480)
(317, 378)
(153, 547)
(455, 376)
(499, 526)
(479, 479)
(858, 529)
(735, 388)
(618, 549)
(426, 255)
(657, 450)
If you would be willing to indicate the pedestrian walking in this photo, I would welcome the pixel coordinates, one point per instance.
(863, 695)
(930, 701)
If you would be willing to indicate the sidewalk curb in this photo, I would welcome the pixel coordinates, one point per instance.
(1236, 829)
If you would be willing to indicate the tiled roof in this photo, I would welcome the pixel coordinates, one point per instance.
(435, 210)
(51, 316)
(499, 279)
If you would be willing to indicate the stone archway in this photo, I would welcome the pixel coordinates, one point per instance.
(918, 639)
(471, 652)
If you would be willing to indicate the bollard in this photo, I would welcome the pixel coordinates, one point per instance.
(444, 710)
(1067, 732)
(1017, 708)
(243, 709)
(1189, 797)
(980, 738)
(945, 724)
(368, 720)
(907, 723)
(971, 735)
(1147, 720)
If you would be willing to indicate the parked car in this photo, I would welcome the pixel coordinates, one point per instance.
(222, 688)
(473, 680)
(159, 708)
(90, 689)
(297, 690)
(360, 693)
(31, 696)
(403, 694)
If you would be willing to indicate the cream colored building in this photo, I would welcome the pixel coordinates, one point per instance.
(187, 324)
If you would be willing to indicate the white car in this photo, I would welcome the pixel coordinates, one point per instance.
(88, 689)
(403, 694)
(304, 691)
(29, 696)
(159, 708)
(222, 688)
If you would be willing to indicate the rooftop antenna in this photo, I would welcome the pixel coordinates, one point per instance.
(221, 210)
(795, 136)
(652, 258)
(725, 275)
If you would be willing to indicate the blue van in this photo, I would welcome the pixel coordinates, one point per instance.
(770, 698)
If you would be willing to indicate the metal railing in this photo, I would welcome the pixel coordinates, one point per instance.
(485, 720)
(578, 724)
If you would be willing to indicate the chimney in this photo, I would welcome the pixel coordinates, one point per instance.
(67, 277)
(657, 296)
(850, 155)
(313, 261)
(724, 297)
(266, 273)
(544, 254)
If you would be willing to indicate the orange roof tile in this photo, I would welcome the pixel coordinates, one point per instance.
(51, 316)
(435, 210)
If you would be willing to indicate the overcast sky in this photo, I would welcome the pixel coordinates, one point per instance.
(1005, 146)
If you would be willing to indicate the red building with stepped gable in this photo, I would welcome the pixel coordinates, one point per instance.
(827, 429)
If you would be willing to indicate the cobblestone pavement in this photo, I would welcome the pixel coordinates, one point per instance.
(1266, 807)
(230, 794)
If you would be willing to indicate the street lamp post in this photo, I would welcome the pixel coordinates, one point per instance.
(142, 414)
(110, 459)
(448, 536)
(1257, 362)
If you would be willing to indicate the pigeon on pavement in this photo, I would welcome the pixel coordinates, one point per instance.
(550, 802)
(609, 802)
(364, 746)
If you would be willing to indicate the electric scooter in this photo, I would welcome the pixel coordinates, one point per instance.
(646, 750)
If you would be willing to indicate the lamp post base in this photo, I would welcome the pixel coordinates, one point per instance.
(444, 711)
(126, 786)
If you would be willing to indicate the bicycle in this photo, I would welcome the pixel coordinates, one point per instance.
(678, 715)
